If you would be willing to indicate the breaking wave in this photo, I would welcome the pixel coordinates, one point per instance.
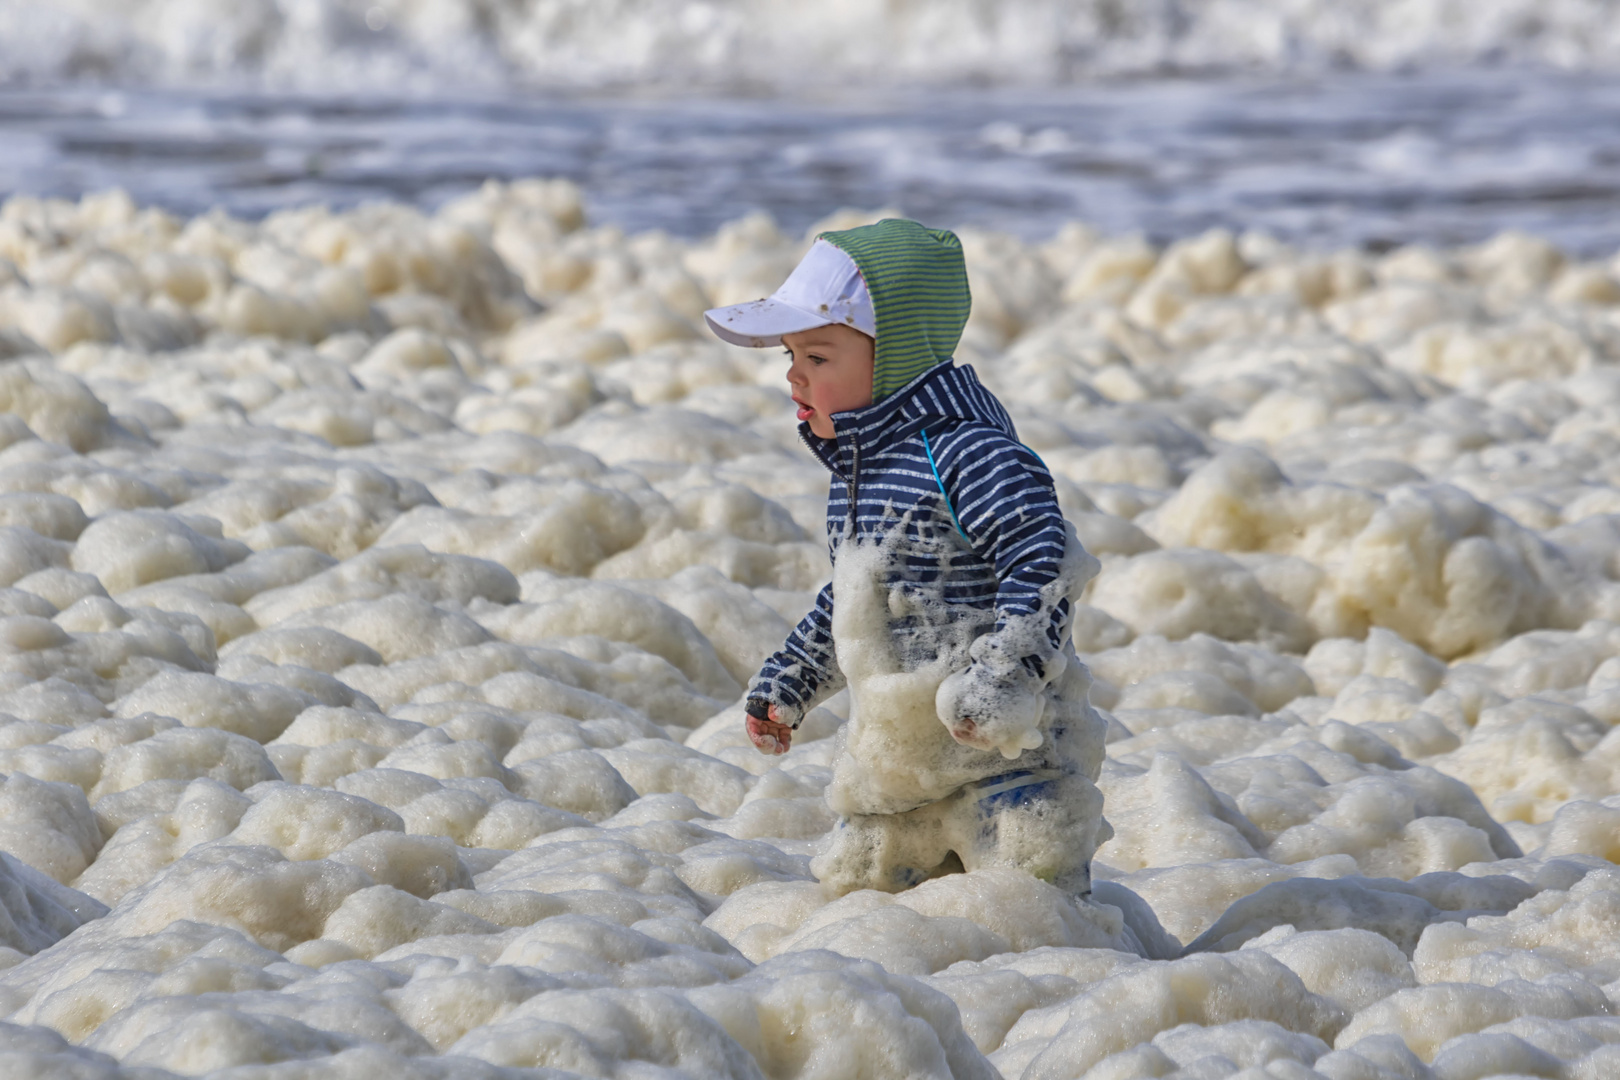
(774, 45)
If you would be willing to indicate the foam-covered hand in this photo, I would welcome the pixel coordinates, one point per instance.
(770, 736)
(990, 714)
(966, 732)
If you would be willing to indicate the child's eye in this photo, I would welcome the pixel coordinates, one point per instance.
(814, 359)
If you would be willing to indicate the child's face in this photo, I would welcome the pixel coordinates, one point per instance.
(831, 373)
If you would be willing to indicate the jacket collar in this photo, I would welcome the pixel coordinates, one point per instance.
(940, 394)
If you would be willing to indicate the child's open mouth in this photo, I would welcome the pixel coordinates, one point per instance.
(805, 411)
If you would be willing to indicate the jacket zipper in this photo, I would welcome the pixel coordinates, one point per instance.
(854, 486)
(851, 482)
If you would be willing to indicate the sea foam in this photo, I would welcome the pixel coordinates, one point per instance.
(377, 590)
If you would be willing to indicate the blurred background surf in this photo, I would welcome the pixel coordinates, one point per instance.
(1324, 122)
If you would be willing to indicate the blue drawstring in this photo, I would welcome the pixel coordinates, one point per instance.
(943, 493)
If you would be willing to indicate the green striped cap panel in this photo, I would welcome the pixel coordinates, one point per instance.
(919, 288)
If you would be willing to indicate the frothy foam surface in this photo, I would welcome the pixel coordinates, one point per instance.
(377, 588)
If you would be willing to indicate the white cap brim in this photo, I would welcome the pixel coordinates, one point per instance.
(759, 324)
(825, 289)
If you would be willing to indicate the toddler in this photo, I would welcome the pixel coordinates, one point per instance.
(970, 741)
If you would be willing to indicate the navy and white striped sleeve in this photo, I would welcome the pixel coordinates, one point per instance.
(1007, 504)
(1005, 500)
(804, 670)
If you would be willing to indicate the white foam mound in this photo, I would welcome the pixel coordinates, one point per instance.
(371, 643)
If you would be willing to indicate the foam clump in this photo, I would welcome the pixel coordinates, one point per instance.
(952, 919)
(377, 590)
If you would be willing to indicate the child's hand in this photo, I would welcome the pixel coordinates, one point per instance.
(770, 736)
(981, 713)
(966, 731)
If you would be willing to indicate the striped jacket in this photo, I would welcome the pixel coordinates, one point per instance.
(1004, 506)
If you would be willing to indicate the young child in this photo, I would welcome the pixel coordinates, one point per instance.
(970, 742)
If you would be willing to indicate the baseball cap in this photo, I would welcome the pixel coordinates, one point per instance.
(825, 288)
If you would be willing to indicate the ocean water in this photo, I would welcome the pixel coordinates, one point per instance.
(1364, 159)
(1330, 124)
